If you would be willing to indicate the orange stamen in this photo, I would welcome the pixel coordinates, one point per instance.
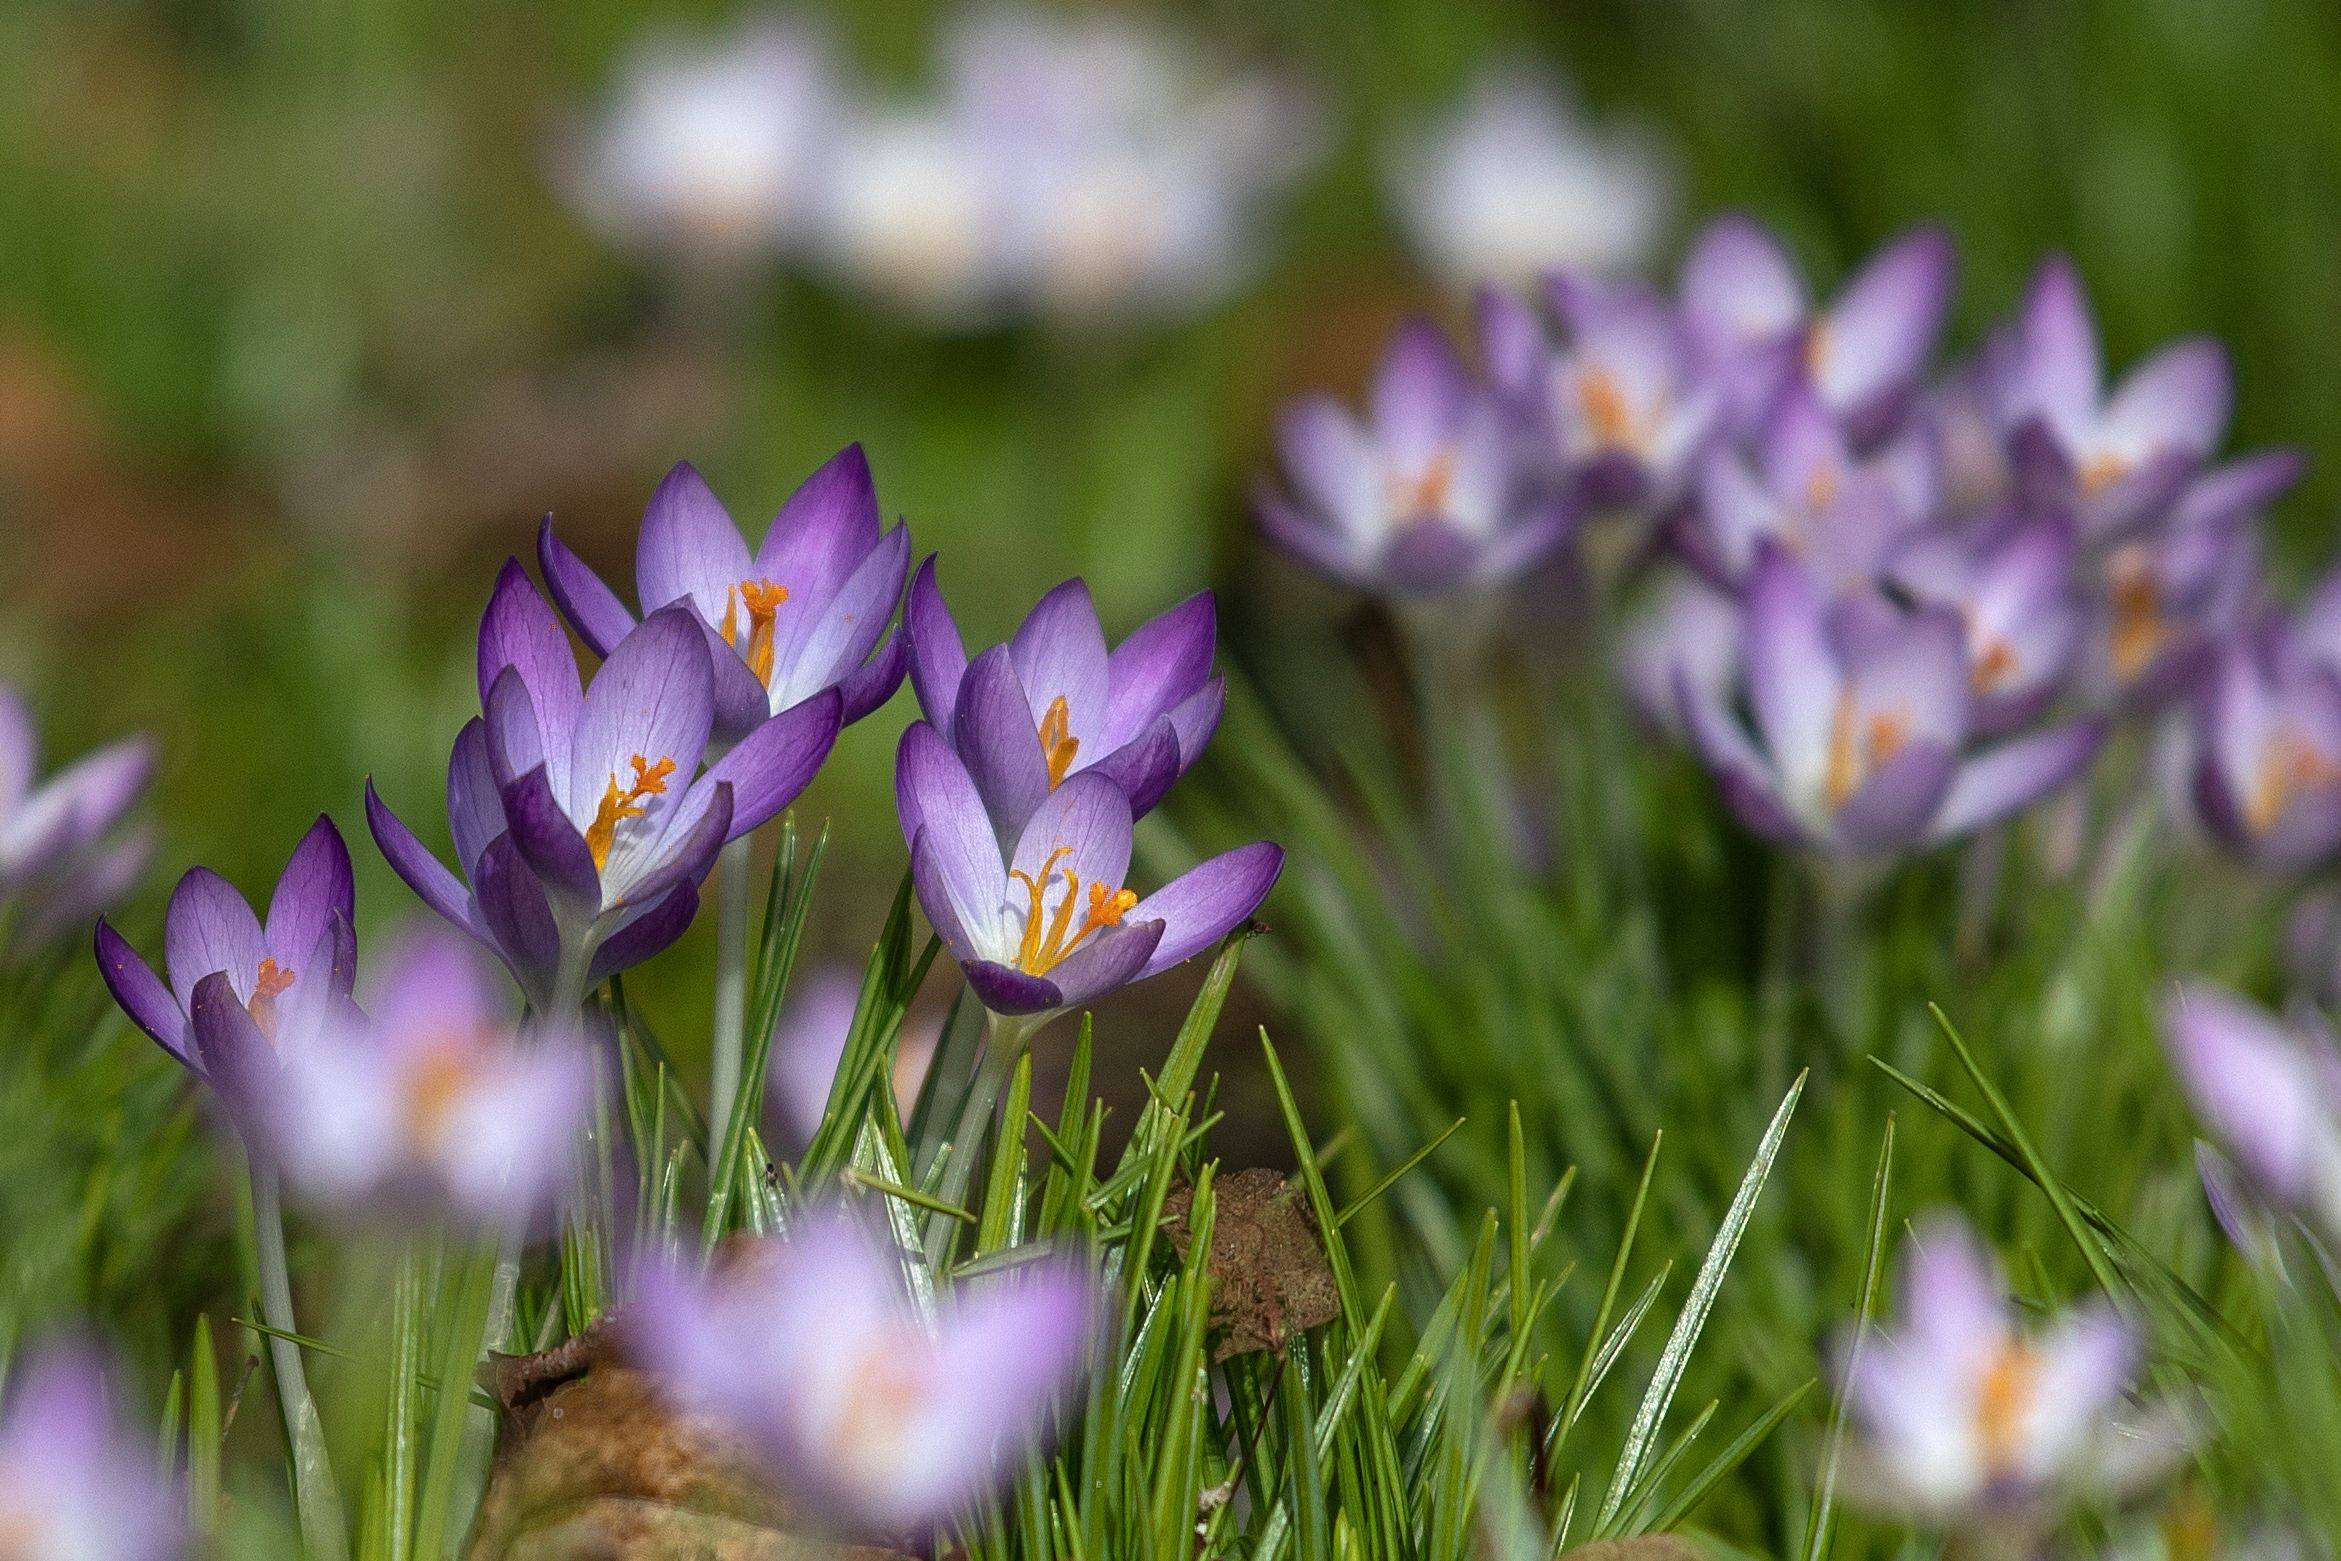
(2102, 471)
(2288, 766)
(1821, 488)
(1426, 492)
(1604, 405)
(1857, 748)
(1816, 349)
(1058, 745)
(1994, 667)
(437, 1084)
(762, 598)
(1048, 939)
(273, 981)
(2003, 1400)
(2138, 627)
(650, 780)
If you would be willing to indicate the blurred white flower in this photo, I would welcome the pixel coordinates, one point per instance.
(715, 146)
(1514, 181)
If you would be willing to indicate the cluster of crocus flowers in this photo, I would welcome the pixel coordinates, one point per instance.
(67, 848)
(1965, 1418)
(1079, 169)
(76, 1483)
(2268, 1090)
(876, 1414)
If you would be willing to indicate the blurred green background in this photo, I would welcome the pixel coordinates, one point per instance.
(298, 336)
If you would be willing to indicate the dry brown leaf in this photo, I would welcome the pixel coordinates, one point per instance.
(1270, 1280)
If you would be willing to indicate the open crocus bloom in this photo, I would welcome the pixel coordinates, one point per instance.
(2270, 1094)
(1625, 402)
(60, 858)
(2268, 752)
(1052, 925)
(2116, 459)
(76, 1484)
(579, 812)
(1686, 634)
(1746, 304)
(1427, 493)
(880, 1418)
(427, 1102)
(2162, 599)
(2015, 591)
(1808, 492)
(284, 974)
(1514, 181)
(804, 614)
(1965, 1418)
(1862, 715)
(1053, 702)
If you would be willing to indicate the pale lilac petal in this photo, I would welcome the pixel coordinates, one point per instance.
(1312, 540)
(1953, 1306)
(1082, 828)
(938, 657)
(824, 531)
(688, 549)
(20, 749)
(2018, 772)
(316, 885)
(998, 742)
(1110, 959)
(684, 853)
(1060, 654)
(835, 637)
(2085, 1362)
(1196, 717)
(1144, 767)
(520, 630)
(422, 872)
(74, 807)
(770, 768)
(2179, 399)
(595, 611)
(1427, 555)
(1208, 901)
(141, 992)
(1892, 806)
(1419, 395)
(1165, 660)
(426, 988)
(475, 809)
(651, 698)
(1882, 327)
(2058, 373)
(741, 699)
(1335, 471)
(1739, 283)
(2253, 1084)
(938, 802)
(2243, 486)
(209, 927)
(1793, 677)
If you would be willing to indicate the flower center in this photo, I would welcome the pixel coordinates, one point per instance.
(2003, 1402)
(1424, 495)
(434, 1085)
(1821, 487)
(1048, 939)
(2101, 471)
(2289, 764)
(1816, 348)
(650, 780)
(1058, 745)
(273, 981)
(762, 598)
(1993, 667)
(2138, 626)
(888, 1387)
(1603, 403)
(1857, 747)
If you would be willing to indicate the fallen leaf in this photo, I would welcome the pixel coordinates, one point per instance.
(1270, 1280)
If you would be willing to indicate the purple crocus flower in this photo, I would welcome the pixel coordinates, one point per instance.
(2116, 458)
(62, 857)
(2269, 1090)
(1054, 703)
(1048, 925)
(1863, 719)
(878, 1417)
(1687, 634)
(76, 1484)
(1427, 493)
(579, 812)
(2267, 777)
(1747, 306)
(428, 1100)
(807, 612)
(1962, 1417)
(1624, 405)
(809, 1042)
(2014, 588)
(282, 975)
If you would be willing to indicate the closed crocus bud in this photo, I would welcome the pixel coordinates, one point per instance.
(2269, 1091)
(64, 851)
(882, 1418)
(76, 1483)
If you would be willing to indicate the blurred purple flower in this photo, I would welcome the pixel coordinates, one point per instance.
(1053, 702)
(428, 1102)
(1052, 926)
(803, 615)
(2269, 1091)
(1963, 1418)
(1512, 181)
(1623, 405)
(1747, 307)
(63, 857)
(2117, 458)
(2267, 777)
(809, 1042)
(579, 812)
(1428, 493)
(877, 1417)
(2017, 595)
(76, 1483)
(1863, 725)
(284, 976)
(1686, 636)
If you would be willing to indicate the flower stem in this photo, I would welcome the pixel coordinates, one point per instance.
(732, 870)
(324, 1530)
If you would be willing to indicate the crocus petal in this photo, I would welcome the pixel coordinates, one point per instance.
(519, 630)
(1145, 767)
(1510, 341)
(947, 906)
(2085, 1363)
(475, 806)
(652, 698)
(874, 682)
(1164, 660)
(2251, 1081)
(2178, 399)
(316, 885)
(688, 548)
(1793, 678)
(1113, 958)
(769, 768)
(20, 749)
(77, 805)
(140, 991)
(998, 742)
(938, 657)
(516, 916)
(1333, 467)
(515, 739)
(550, 841)
(649, 931)
(685, 852)
(1205, 903)
(1083, 828)
(2059, 372)
(209, 927)
(2001, 780)
(827, 527)
(833, 637)
(236, 1056)
(1420, 393)
(741, 699)
(1427, 555)
(1892, 806)
(1953, 1305)
(1006, 990)
(1882, 327)
(1749, 784)
(1311, 540)
(937, 799)
(1739, 280)
(1060, 654)
(2240, 487)
(595, 611)
(1195, 718)
(422, 872)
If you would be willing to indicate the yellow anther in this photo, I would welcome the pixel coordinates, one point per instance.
(1058, 746)
(272, 982)
(2003, 1403)
(1994, 667)
(1821, 487)
(2289, 764)
(2138, 625)
(1604, 406)
(434, 1086)
(1049, 938)
(1857, 748)
(650, 780)
(2102, 471)
(1426, 492)
(762, 598)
